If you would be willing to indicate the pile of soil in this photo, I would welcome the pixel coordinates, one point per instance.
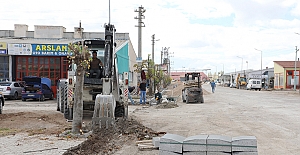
(107, 141)
(166, 105)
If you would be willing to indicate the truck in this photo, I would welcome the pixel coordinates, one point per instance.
(192, 91)
(94, 89)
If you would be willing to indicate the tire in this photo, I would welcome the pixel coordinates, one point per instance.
(51, 97)
(201, 99)
(42, 98)
(187, 100)
(16, 96)
(23, 99)
(1, 106)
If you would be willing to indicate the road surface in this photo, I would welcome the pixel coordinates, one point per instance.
(272, 116)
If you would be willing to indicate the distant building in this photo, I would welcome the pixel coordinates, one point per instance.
(175, 75)
(284, 74)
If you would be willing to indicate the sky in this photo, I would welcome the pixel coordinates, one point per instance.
(231, 34)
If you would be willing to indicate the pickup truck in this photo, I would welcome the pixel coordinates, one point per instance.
(1, 102)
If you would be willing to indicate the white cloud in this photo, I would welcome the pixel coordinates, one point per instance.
(265, 25)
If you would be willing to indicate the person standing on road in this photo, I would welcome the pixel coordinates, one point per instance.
(130, 89)
(213, 86)
(142, 89)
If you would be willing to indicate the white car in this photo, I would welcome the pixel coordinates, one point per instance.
(11, 90)
(233, 85)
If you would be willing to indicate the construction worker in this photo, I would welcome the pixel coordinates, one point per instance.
(130, 90)
(95, 65)
(213, 86)
(142, 89)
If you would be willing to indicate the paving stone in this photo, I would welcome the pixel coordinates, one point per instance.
(244, 153)
(163, 152)
(156, 141)
(195, 143)
(218, 153)
(216, 142)
(244, 141)
(195, 153)
(171, 142)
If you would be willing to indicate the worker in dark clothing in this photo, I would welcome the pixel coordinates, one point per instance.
(130, 90)
(158, 97)
(142, 89)
(95, 65)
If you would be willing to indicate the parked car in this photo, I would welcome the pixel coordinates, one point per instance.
(11, 90)
(1, 102)
(233, 85)
(37, 88)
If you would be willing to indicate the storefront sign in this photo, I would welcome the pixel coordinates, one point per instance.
(3, 48)
(19, 49)
(50, 49)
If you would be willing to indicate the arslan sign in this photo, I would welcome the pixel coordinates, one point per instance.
(50, 49)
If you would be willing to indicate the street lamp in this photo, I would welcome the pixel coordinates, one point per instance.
(153, 42)
(247, 64)
(242, 63)
(296, 67)
(260, 63)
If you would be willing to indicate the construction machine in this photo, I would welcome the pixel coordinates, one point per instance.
(241, 81)
(192, 91)
(97, 92)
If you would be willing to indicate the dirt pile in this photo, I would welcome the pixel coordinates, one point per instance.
(107, 141)
(166, 105)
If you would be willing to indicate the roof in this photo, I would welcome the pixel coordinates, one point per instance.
(287, 64)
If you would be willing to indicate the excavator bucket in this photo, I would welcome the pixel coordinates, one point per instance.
(104, 110)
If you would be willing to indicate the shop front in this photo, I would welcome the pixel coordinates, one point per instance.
(43, 60)
(4, 62)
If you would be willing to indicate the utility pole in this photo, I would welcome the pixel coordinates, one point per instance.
(295, 73)
(141, 24)
(153, 41)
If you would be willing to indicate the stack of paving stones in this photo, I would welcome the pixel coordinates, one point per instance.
(171, 144)
(195, 145)
(244, 145)
(218, 145)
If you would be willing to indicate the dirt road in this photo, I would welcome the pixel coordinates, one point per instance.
(273, 117)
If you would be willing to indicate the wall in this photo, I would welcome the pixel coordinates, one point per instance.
(51, 32)
(132, 62)
(279, 73)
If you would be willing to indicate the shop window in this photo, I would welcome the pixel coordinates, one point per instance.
(46, 61)
(4, 68)
(42, 60)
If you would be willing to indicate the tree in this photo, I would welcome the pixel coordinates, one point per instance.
(80, 56)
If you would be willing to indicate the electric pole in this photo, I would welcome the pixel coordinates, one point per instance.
(141, 24)
(295, 73)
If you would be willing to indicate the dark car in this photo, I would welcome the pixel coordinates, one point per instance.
(37, 88)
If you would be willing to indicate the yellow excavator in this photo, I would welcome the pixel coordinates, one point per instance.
(241, 82)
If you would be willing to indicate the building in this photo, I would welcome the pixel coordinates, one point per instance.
(175, 75)
(284, 74)
(43, 52)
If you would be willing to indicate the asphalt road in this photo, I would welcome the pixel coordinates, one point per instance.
(272, 116)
